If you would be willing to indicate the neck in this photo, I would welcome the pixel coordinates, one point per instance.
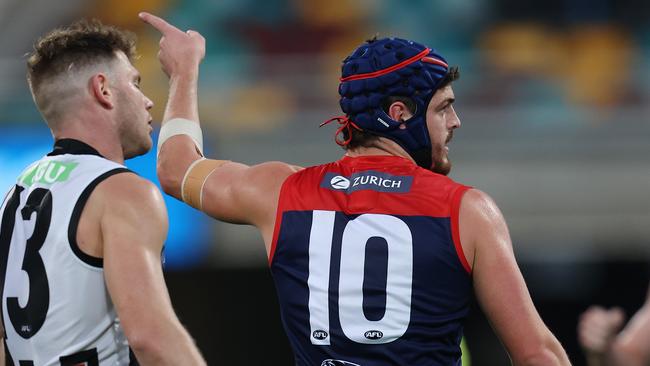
(96, 131)
(382, 146)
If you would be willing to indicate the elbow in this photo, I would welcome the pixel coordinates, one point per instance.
(170, 180)
(147, 348)
(545, 350)
(550, 355)
(173, 161)
(541, 358)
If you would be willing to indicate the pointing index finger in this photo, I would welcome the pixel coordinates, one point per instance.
(159, 23)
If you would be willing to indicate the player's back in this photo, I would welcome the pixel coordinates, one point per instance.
(56, 309)
(368, 265)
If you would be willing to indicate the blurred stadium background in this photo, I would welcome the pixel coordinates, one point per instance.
(554, 99)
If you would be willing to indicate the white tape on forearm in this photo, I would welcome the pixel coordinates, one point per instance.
(181, 126)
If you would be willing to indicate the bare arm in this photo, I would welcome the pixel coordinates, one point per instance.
(134, 227)
(597, 333)
(180, 55)
(233, 192)
(500, 287)
(632, 346)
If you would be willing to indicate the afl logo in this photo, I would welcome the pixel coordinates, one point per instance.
(373, 334)
(319, 334)
(331, 362)
(339, 182)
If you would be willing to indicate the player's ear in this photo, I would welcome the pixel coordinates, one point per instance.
(101, 91)
(398, 111)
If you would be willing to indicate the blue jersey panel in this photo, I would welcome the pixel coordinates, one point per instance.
(370, 289)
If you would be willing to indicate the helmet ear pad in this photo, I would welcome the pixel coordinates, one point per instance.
(414, 138)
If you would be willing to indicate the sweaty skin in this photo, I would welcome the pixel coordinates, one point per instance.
(239, 193)
(125, 220)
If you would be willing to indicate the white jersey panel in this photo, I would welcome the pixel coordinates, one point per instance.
(55, 302)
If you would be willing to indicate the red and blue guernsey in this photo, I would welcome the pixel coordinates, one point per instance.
(368, 265)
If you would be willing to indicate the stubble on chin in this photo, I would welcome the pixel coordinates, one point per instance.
(142, 147)
(441, 162)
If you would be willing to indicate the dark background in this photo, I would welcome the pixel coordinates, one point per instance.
(234, 317)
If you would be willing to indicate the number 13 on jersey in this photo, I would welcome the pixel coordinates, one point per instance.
(353, 262)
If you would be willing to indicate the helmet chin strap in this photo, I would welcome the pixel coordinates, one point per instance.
(414, 139)
(421, 154)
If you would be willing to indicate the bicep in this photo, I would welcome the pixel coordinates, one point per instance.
(504, 298)
(243, 194)
(498, 282)
(133, 234)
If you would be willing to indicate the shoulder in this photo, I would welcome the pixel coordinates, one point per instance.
(130, 185)
(479, 201)
(478, 206)
(445, 187)
(128, 191)
(481, 221)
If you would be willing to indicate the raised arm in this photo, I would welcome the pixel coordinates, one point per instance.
(180, 55)
(225, 190)
(500, 287)
(133, 228)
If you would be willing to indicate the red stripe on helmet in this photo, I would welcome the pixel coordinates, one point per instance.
(388, 69)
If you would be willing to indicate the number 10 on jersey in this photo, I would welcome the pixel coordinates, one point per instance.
(354, 323)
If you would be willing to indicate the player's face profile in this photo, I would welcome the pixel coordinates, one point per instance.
(441, 121)
(132, 108)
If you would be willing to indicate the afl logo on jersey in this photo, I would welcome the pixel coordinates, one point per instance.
(339, 182)
(319, 334)
(331, 362)
(373, 334)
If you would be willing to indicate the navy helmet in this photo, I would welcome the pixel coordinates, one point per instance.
(391, 67)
